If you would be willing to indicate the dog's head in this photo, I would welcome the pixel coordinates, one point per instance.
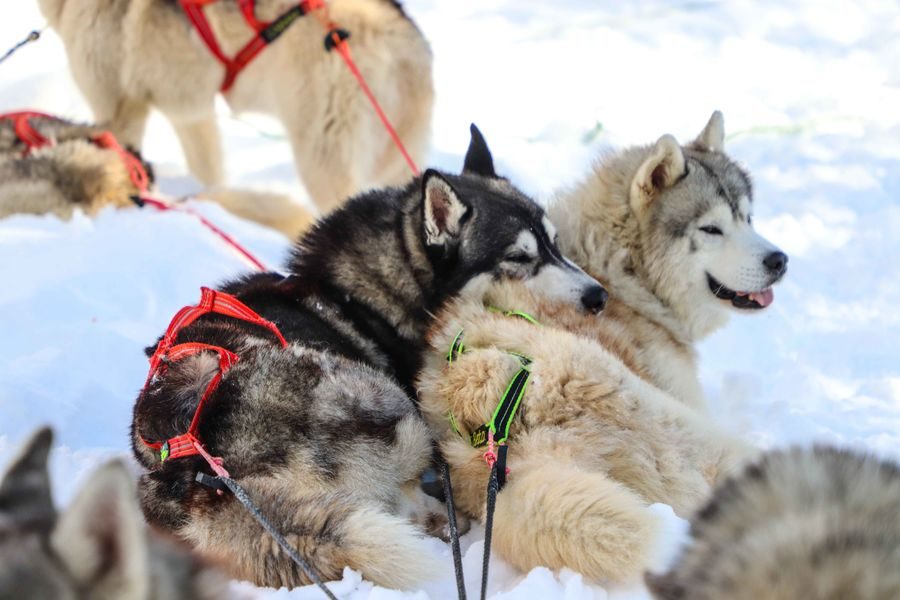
(694, 207)
(97, 548)
(478, 228)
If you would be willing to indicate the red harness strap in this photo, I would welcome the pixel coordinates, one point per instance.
(265, 33)
(27, 134)
(167, 352)
(33, 139)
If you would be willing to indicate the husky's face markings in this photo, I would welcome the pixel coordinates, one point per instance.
(499, 233)
(695, 205)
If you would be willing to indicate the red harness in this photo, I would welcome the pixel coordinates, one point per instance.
(167, 352)
(265, 33)
(33, 139)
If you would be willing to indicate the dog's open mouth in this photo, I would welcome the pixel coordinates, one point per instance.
(746, 300)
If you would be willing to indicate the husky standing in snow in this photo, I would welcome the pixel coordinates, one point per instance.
(612, 417)
(821, 523)
(323, 432)
(98, 548)
(128, 56)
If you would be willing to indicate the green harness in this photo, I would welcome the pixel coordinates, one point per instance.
(496, 430)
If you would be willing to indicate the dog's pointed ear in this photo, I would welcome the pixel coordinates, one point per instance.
(100, 537)
(660, 170)
(443, 210)
(25, 496)
(478, 157)
(712, 138)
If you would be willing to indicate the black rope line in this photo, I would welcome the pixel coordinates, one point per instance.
(243, 498)
(32, 37)
(454, 531)
(492, 489)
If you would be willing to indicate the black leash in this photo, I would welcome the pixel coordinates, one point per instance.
(241, 494)
(32, 37)
(454, 531)
(492, 489)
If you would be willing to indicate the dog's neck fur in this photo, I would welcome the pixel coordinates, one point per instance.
(372, 259)
(599, 231)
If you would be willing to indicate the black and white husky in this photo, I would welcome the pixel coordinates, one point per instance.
(323, 433)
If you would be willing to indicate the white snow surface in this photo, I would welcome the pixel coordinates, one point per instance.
(811, 96)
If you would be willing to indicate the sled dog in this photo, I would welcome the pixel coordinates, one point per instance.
(98, 548)
(612, 417)
(800, 523)
(72, 171)
(75, 171)
(323, 432)
(128, 56)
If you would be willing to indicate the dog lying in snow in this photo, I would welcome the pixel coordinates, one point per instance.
(320, 428)
(75, 170)
(799, 523)
(612, 418)
(98, 548)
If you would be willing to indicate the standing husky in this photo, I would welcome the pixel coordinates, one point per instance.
(611, 419)
(130, 55)
(97, 549)
(821, 523)
(323, 433)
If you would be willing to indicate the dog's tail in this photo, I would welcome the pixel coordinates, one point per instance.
(330, 531)
(52, 10)
(558, 515)
(271, 209)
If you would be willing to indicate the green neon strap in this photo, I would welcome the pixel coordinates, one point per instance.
(514, 313)
(456, 347)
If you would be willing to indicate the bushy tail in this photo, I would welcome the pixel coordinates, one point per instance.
(329, 531)
(558, 515)
(271, 209)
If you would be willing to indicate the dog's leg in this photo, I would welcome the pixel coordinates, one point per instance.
(125, 118)
(555, 514)
(202, 148)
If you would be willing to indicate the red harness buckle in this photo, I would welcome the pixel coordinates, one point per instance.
(167, 352)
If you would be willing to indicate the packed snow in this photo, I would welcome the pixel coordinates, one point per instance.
(810, 92)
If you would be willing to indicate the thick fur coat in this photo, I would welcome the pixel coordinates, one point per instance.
(128, 56)
(613, 416)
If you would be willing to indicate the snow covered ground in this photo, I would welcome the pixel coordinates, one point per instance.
(811, 96)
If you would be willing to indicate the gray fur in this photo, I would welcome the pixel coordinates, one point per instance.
(96, 549)
(803, 523)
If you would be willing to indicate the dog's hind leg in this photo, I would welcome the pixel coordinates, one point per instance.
(329, 530)
(124, 117)
(202, 148)
(558, 515)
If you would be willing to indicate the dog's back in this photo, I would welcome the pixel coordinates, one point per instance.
(98, 548)
(821, 523)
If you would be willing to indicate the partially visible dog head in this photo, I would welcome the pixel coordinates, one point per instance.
(821, 523)
(479, 228)
(694, 208)
(97, 549)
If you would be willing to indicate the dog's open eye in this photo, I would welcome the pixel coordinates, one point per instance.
(711, 230)
(518, 257)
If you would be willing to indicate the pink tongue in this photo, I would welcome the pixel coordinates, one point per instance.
(763, 298)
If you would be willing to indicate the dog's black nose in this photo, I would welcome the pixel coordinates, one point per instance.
(776, 262)
(594, 299)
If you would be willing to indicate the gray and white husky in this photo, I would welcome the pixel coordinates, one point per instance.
(324, 433)
(98, 548)
(802, 523)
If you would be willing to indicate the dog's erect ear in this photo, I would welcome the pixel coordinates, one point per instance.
(443, 210)
(100, 537)
(662, 168)
(712, 138)
(26, 502)
(478, 157)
